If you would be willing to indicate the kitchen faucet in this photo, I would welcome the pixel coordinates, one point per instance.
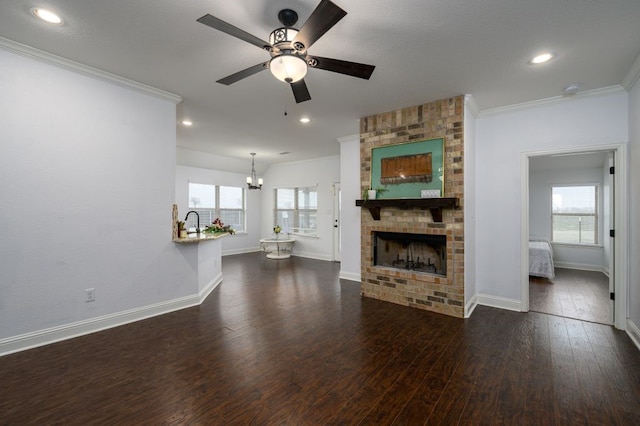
(197, 216)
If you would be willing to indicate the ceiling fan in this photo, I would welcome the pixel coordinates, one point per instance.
(288, 48)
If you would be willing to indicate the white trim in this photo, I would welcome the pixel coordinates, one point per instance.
(348, 139)
(524, 232)
(621, 245)
(93, 325)
(308, 160)
(240, 251)
(553, 100)
(634, 333)
(576, 245)
(633, 75)
(350, 276)
(621, 240)
(578, 266)
(499, 302)
(206, 291)
(472, 106)
(309, 255)
(470, 306)
(50, 58)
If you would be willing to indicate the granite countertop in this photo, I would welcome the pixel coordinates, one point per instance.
(203, 236)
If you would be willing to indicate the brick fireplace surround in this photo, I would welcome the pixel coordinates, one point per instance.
(439, 119)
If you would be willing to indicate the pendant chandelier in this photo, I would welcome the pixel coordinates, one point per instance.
(252, 181)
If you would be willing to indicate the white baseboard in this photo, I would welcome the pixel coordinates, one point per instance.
(634, 332)
(578, 266)
(69, 331)
(240, 251)
(470, 306)
(310, 255)
(206, 291)
(499, 302)
(351, 276)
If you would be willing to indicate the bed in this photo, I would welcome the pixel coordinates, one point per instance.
(540, 258)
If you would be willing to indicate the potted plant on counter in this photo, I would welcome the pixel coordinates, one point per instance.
(217, 227)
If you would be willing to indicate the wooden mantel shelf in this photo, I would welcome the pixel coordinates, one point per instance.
(435, 205)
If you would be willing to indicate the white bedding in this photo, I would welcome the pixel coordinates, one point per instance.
(541, 258)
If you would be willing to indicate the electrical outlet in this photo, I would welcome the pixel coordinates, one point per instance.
(91, 295)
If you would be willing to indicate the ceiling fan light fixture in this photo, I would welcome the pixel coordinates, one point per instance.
(288, 68)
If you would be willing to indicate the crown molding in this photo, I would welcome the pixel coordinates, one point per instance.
(554, 100)
(633, 75)
(472, 106)
(41, 55)
(350, 138)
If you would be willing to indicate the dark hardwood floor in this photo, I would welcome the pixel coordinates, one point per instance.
(288, 343)
(574, 294)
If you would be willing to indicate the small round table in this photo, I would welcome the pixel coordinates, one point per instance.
(277, 248)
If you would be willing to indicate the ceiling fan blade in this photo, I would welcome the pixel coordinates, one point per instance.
(353, 69)
(300, 91)
(325, 16)
(243, 74)
(227, 28)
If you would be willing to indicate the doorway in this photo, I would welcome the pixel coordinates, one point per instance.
(587, 275)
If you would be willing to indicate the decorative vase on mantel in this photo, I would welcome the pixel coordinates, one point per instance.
(372, 194)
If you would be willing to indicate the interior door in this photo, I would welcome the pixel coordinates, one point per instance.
(611, 207)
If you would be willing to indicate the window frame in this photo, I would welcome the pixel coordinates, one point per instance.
(595, 216)
(296, 211)
(216, 211)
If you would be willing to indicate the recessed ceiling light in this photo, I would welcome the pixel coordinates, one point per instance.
(187, 123)
(541, 59)
(305, 120)
(47, 15)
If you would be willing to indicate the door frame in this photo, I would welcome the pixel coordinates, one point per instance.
(620, 219)
(336, 224)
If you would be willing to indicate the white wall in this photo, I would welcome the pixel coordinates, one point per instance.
(323, 172)
(87, 184)
(240, 242)
(350, 215)
(540, 182)
(501, 139)
(634, 207)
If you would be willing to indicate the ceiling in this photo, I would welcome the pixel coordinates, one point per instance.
(423, 50)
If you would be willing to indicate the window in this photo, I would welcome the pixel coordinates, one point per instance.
(574, 214)
(212, 201)
(297, 210)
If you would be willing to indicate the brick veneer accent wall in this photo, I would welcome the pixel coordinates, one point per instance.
(439, 119)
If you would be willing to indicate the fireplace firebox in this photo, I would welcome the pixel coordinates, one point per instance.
(412, 252)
